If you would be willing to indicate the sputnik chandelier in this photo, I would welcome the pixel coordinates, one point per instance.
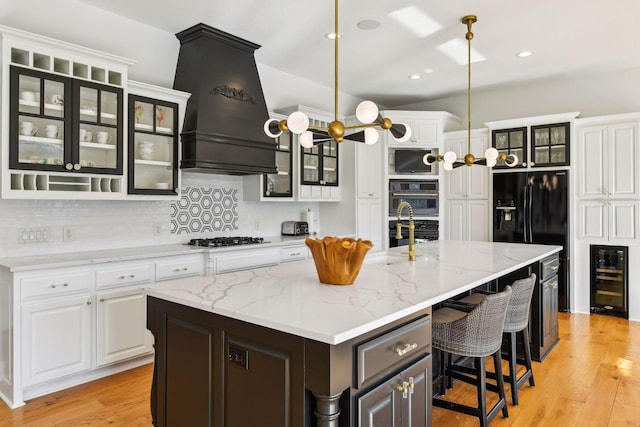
(491, 155)
(366, 112)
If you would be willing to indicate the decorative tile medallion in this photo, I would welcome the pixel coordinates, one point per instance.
(202, 210)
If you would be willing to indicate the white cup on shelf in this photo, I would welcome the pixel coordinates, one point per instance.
(27, 95)
(103, 137)
(146, 150)
(28, 128)
(51, 131)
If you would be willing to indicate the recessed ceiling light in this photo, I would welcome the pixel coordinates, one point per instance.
(523, 54)
(415, 77)
(332, 36)
(416, 21)
(368, 24)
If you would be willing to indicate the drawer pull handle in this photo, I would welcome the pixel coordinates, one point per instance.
(404, 388)
(176, 270)
(130, 276)
(411, 385)
(53, 285)
(101, 299)
(554, 268)
(401, 351)
(89, 302)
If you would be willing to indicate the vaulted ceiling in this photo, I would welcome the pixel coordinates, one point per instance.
(566, 37)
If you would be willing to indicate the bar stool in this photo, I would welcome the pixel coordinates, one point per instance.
(517, 320)
(475, 334)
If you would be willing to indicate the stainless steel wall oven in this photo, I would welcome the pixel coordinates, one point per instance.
(422, 195)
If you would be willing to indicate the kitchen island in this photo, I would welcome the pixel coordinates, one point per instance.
(274, 346)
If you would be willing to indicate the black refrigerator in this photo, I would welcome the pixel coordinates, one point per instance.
(533, 207)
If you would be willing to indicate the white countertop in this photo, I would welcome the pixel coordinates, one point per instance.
(290, 298)
(70, 259)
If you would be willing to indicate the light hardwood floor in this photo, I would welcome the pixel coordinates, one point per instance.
(591, 378)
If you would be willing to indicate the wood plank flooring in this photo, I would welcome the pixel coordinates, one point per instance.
(591, 378)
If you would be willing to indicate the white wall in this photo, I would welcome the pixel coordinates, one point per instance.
(105, 224)
(591, 95)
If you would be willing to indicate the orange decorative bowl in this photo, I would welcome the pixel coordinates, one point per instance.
(338, 260)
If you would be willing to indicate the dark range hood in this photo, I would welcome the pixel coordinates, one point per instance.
(223, 126)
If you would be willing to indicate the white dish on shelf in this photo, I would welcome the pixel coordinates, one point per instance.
(88, 112)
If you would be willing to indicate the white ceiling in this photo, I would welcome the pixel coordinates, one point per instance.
(567, 37)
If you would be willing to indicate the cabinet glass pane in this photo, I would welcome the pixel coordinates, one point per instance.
(558, 135)
(88, 104)
(29, 91)
(40, 141)
(153, 162)
(143, 112)
(541, 137)
(516, 139)
(109, 108)
(54, 98)
(330, 170)
(97, 147)
(541, 155)
(164, 119)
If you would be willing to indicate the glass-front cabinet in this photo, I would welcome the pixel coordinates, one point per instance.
(550, 144)
(511, 141)
(153, 146)
(319, 165)
(61, 124)
(280, 184)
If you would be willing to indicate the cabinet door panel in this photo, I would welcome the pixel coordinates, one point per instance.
(591, 161)
(593, 217)
(380, 406)
(456, 220)
(121, 326)
(478, 220)
(623, 162)
(56, 339)
(623, 220)
(417, 407)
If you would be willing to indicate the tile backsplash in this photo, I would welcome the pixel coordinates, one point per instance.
(210, 206)
(205, 209)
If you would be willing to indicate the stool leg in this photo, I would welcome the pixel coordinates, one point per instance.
(513, 379)
(481, 376)
(497, 360)
(443, 372)
(527, 354)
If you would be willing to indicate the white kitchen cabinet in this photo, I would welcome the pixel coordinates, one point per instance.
(179, 266)
(294, 252)
(467, 220)
(245, 259)
(370, 222)
(467, 189)
(608, 159)
(608, 221)
(427, 127)
(121, 331)
(467, 182)
(56, 338)
(369, 171)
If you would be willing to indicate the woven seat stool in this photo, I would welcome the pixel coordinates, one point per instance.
(517, 321)
(475, 334)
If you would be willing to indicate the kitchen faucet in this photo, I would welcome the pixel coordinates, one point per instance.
(411, 227)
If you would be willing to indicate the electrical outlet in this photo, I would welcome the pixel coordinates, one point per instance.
(157, 229)
(67, 233)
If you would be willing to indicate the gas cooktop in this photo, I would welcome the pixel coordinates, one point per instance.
(215, 242)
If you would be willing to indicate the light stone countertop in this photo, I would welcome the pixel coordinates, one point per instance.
(290, 298)
(38, 262)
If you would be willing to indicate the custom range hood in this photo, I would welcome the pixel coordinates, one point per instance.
(223, 125)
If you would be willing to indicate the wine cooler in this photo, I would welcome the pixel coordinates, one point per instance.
(609, 280)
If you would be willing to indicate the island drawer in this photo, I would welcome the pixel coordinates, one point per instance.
(549, 267)
(54, 284)
(392, 349)
(123, 275)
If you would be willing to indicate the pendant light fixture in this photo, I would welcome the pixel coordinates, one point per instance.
(366, 112)
(491, 155)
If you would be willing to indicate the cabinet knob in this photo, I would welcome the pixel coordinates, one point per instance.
(532, 163)
(89, 302)
(68, 166)
(101, 299)
(76, 166)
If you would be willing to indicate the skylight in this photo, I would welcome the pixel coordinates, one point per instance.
(456, 49)
(416, 21)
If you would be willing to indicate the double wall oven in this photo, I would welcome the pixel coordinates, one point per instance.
(423, 197)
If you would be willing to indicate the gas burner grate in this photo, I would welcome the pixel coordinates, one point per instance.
(216, 242)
